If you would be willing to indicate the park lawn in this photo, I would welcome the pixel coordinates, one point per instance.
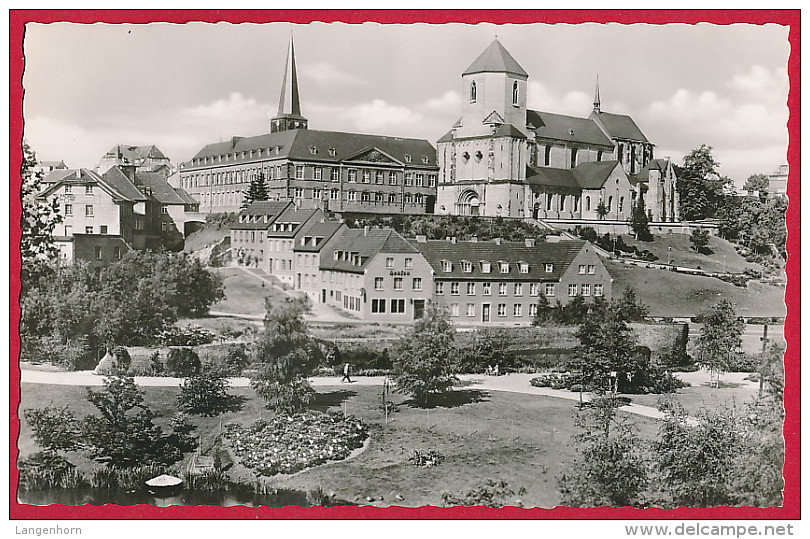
(668, 293)
(683, 255)
(244, 294)
(522, 439)
(733, 392)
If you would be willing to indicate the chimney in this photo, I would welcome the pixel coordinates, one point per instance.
(498, 241)
(530, 242)
(474, 239)
(421, 238)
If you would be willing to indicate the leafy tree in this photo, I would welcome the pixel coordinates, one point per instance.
(544, 313)
(125, 435)
(483, 347)
(182, 362)
(54, 429)
(256, 191)
(606, 351)
(700, 186)
(424, 357)
(772, 371)
(236, 359)
(601, 210)
(610, 468)
(757, 182)
(285, 355)
(639, 221)
(695, 457)
(719, 338)
(206, 395)
(39, 218)
(699, 239)
(629, 308)
(490, 493)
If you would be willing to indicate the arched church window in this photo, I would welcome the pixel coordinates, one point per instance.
(587, 203)
(515, 94)
(473, 93)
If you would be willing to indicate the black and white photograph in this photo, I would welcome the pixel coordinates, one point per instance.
(323, 264)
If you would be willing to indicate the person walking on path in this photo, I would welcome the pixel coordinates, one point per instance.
(346, 371)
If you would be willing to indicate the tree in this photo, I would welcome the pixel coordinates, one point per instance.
(54, 429)
(757, 182)
(125, 435)
(719, 338)
(639, 221)
(484, 347)
(285, 355)
(423, 360)
(182, 362)
(39, 219)
(700, 186)
(699, 239)
(772, 371)
(206, 395)
(606, 351)
(629, 308)
(256, 191)
(545, 311)
(601, 210)
(609, 468)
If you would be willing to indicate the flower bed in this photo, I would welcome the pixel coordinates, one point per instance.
(289, 444)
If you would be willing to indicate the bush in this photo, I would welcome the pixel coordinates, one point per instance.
(47, 470)
(187, 336)
(206, 395)
(54, 428)
(235, 360)
(490, 493)
(743, 363)
(182, 362)
(75, 355)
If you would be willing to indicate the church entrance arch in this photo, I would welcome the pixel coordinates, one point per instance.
(469, 203)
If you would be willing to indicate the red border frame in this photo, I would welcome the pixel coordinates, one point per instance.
(791, 18)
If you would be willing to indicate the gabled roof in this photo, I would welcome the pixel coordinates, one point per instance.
(185, 196)
(119, 188)
(325, 230)
(53, 164)
(158, 187)
(271, 208)
(447, 137)
(367, 244)
(643, 175)
(58, 174)
(294, 215)
(136, 154)
(493, 118)
(552, 177)
(560, 254)
(620, 126)
(121, 183)
(496, 59)
(593, 175)
(567, 128)
(508, 130)
(312, 145)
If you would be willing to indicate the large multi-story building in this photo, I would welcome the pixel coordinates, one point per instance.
(503, 159)
(334, 171)
(143, 158)
(496, 282)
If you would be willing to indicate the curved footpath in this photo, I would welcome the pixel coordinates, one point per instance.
(513, 383)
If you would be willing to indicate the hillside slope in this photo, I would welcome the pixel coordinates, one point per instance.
(723, 258)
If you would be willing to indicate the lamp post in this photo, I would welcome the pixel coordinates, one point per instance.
(669, 256)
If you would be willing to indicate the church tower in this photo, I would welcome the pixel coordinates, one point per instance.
(289, 108)
(494, 93)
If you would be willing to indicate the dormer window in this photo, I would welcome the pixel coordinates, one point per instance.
(408, 158)
(549, 268)
(504, 267)
(466, 266)
(337, 255)
(313, 150)
(473, 92)
(425, 159)
(332, 152)
(524, 267)
(447, 266)
(486, 267)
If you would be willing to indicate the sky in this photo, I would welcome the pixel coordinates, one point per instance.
(181, 86)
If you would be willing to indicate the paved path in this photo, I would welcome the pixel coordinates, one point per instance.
(512, 383)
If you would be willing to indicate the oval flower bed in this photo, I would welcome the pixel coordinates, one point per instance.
(289, 444)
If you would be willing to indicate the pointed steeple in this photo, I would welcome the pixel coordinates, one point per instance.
(496, 59)
(289, 106)
(597, 101)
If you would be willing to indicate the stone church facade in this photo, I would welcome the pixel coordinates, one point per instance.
(503, 159)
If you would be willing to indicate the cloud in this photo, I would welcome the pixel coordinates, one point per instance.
(449, 102)
(235, 107)
(328, 74)
(762, 84)
(575, 103)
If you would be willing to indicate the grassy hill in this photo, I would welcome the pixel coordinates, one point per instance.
(205, 237)
(676, 294)
(724, 256)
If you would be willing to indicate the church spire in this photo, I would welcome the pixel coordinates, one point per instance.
(289, 106)
(597, 101)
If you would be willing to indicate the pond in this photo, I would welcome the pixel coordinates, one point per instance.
(100, 496)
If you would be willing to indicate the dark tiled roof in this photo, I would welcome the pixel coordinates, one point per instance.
(495, 59)
(136, 154)
(53, 164)
(121, 183)
(159, 188)
(271, 208)
(561, 126)
(367, 245)
(508, 130)
(560, 254)
(185, 196)
(59, 174)
(643, 175)
(447, 137)
(299, 144)
(324, 230)
(621, 126)
(553, 177)
(293, 215)
(593, 175)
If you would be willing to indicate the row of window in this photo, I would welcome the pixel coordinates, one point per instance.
(416, 283)
(87, 230)
(549, 289)
(100, 255)
(486, 267)
(89, 211)
(267, 152)
(397, 305)
(88, 189)
(517, 309)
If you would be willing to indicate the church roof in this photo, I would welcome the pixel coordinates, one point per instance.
(508, 130)
(552, 177)
(447, 137)
(593, 175)
(620, 126)
(313, 145)
(496, 59)
(566, 128)
(643, 175)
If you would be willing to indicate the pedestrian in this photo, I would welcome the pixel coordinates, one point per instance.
(489, 370)
(496, 369)
(346, 371)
